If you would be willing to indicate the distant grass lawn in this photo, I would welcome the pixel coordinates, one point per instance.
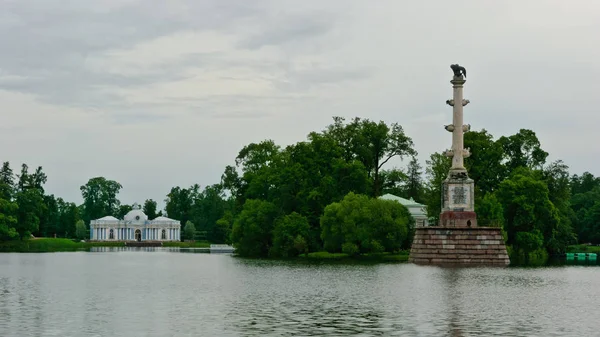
(52, 245)
(376, 257)
(583, 249)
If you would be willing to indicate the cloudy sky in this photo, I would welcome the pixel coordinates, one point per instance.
(156, 94)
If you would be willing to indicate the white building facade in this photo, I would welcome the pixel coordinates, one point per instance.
(418, 211)
(135, 226)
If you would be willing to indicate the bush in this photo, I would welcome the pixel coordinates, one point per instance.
(370, 225)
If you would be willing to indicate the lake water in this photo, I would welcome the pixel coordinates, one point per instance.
(168, 293)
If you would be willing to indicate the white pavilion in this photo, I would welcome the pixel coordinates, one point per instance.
(135, 227)
(418, 211)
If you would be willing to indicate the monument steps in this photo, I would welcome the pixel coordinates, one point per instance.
(475, 246)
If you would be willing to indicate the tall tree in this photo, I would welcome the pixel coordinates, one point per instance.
(485, 165)
(179, 202)
(30, 198)
(523, 149)
(437, 169)
(100, 198)
(7, 183)
(414, 183)
(150, 208)
(373, 144)
(123, 210)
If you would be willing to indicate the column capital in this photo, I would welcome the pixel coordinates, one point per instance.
(458, 81)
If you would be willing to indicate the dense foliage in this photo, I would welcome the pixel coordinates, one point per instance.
(321, 194)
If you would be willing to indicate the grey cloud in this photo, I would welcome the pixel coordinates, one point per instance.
(46, 44)
(289, 29)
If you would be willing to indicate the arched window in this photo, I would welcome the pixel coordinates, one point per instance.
(111, 234)
(163, 234)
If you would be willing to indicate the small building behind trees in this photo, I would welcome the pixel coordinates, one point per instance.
(418, 211)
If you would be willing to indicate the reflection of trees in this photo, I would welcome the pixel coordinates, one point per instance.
(304, 300)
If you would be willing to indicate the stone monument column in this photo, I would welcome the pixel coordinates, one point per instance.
(457, 240)
(458, 206)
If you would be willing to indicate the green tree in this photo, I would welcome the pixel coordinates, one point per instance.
(414, 183)
(394, 182)
(522, 149)
(100, 198)
(80, 230)
(489, 211)
(373, 144)
(437, 169)
(7, 184)
(8, 220)
(485, 164)
(123, 210)
(358, 224)
(179, 202)
(189, 231)
(49, 218)
(68, 215)
(527, 208)
(150, 208)
(290, 235)
(252, 229)
(208, 207)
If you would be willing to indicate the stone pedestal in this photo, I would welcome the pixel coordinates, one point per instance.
(476, 246)
(458, 201)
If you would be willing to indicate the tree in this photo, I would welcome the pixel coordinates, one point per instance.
(7, 184)
(252, 230)
(522, 149)
(527, 208)
(208, 207)
(68, 215)
(373, 144)
(437, 170)
(485, 164)
(490, 212)
(8, 220)
(123, 210)
(394, 181)
(80, 230)
(414, 183)
(290, 235)
(49, 218)
(189, 231)
(358, 224)
(150, 209)
(179, 202)
(100, 198)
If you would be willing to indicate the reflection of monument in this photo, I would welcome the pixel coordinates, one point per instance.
(457, 239)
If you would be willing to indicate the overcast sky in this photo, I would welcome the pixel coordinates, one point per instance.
(156, 94)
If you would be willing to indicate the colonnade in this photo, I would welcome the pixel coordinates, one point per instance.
(129, 233)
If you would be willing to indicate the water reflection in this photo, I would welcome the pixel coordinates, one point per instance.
(160, 292)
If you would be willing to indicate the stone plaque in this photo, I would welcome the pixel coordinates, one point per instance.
(460, 196)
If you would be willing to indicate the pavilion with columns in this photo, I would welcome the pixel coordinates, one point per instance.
(135, 226)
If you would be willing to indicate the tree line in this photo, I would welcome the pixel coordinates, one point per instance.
(321, 194)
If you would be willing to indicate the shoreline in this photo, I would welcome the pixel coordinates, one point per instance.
(55, 245)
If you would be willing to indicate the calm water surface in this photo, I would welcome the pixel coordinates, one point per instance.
(168, 293)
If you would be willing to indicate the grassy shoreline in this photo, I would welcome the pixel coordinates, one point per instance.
(376, 257)
(583, 249)
(52, 245)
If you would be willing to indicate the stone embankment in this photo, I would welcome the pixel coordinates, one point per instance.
(475, 246)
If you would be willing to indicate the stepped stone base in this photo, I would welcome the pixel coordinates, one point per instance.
(475, 246)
